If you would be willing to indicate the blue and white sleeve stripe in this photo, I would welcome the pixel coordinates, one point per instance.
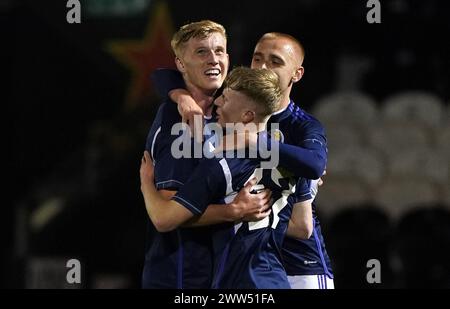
(190, 206)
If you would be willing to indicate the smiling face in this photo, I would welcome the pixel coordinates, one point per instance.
(204, 61)
(281, 55)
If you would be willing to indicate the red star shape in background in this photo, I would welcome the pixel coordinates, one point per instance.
(144, 56)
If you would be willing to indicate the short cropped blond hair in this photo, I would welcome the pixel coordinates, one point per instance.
(260, 85)
(293, 40)
(200, 29)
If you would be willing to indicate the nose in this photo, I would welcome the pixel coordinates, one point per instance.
(213, 58)
(259, 65)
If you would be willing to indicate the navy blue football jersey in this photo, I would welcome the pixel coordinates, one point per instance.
(303, 257)
(181, 258)
(247, 254)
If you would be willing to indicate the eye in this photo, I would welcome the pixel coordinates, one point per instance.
(201, 51)
(277, 61)
(256, 58)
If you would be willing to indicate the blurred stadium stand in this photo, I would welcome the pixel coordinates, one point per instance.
(354, 236)
(421, 245)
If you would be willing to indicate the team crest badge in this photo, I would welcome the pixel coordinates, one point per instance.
(278, 136)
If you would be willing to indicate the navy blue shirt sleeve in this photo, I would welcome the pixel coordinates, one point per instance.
(170, 172)
(308, 161)
(302, 191)
(166, 80)
(206, 185)
(308, 158)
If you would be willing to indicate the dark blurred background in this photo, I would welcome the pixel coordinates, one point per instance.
(80, 105)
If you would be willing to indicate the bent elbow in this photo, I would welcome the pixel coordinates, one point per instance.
(308, 232)
(318, 169)
(305, 232)
(315, 173)
(303, 235)
(163, 226)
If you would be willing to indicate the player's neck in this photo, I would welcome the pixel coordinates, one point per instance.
(203, 98)
(261, 125)
(285, 100)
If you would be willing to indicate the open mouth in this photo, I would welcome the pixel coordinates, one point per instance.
(212, 72)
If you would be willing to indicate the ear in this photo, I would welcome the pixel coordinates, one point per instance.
(180, 65)
(248, 116)
(298, 74)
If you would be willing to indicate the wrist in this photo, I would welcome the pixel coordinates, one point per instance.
(146, 185)
(179, 96)
(174, 95)
(233, 213)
